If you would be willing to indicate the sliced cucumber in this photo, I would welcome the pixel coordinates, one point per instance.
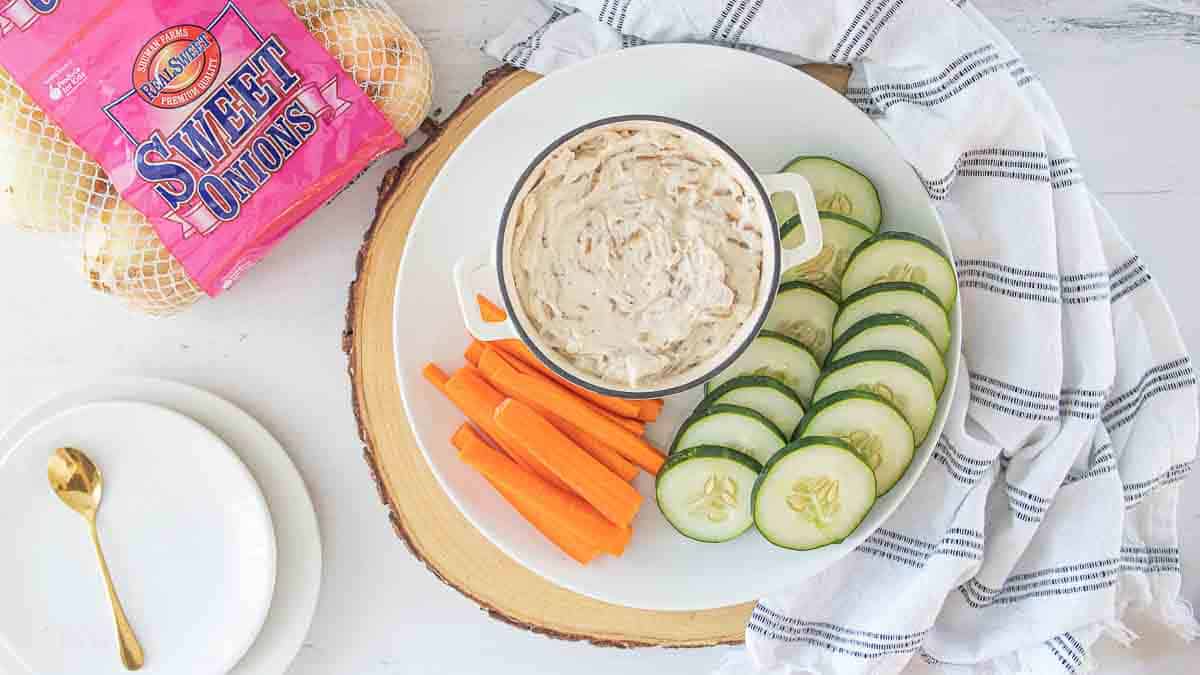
(840, 236)
(731, 426)
(805, 313)
(778, 356)
(897, 377)
(840, 188)
(897, 297)
(893, 331)
(705, 492)
(871, 426)
(901, 256)
(773, 399)
(814, 492)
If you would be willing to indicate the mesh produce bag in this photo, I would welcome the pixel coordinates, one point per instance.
(49, 184)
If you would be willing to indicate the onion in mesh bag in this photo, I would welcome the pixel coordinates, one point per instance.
(123, 256)
(380, 53)
(49, 184)
(46, 181)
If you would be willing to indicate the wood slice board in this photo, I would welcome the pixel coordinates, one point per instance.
(422, 516)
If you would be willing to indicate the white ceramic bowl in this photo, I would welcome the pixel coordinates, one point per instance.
(774, 260)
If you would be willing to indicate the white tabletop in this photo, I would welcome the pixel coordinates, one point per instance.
(1123, 76)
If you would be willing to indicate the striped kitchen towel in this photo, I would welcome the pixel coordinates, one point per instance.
(1048, 510)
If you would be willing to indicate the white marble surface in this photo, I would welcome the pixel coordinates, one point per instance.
(1124, 76)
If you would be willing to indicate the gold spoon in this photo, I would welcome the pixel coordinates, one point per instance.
(76, 481)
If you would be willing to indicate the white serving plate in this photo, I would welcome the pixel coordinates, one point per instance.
(768, 113)
(185, 529)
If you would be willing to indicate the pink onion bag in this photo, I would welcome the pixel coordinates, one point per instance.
(225, 123)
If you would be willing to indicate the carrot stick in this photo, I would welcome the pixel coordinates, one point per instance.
(481, 400)
(475, 405)
(635, 427)
(579, 548)
(494, 358)
(603, 489)
(522, 367)
(478, 400)
(436, 376)
(616, 406)
(561, 510)
(596, 448)
(473, 352)
(649, 409)
(541, 392)
(512, 361)
(490, 311)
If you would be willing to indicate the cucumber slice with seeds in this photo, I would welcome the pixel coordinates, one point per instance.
(897, 297)
(840, 236)
(840, 188)
(893, 331)
(778, 356)
(804, 313)
(901, 256)
(774, 399)
(812, 493)
(871, 426)
(705, 492)
(731, 426)
(897, 377)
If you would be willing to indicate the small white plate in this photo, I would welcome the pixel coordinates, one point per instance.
(767, 112)
(298, 540)
(185, 529)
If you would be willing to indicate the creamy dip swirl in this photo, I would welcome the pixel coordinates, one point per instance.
(636, 252)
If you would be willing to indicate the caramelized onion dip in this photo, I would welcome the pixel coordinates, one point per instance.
(637, 251)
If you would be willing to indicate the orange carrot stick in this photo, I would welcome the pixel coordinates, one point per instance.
(478, 400)
(596, 448)
(490, 311)
(578, 547)
(473, 352)
(649, 409)
(562, 510)
(513, 362)
(436, 376)
(493, 358)
(588, 478)
(475, 405)
(521, 367)
(481, 400)
(474, 370)
(541, 392)
(616, 406)
(635, 427)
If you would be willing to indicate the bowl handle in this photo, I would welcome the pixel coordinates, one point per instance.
(810, 222)
(464, 271)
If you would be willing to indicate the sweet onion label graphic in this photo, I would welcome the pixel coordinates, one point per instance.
(176, 66)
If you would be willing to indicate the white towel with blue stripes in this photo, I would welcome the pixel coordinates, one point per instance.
(1049, 511)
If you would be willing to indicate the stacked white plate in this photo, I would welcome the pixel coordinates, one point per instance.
(208, 530)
